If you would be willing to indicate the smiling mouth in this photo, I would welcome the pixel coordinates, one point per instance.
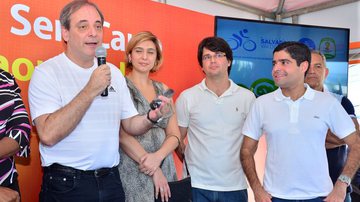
(279, 75)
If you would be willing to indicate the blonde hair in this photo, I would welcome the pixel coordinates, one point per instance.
(141, 37)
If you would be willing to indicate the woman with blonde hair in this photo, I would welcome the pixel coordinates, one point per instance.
(147, 164)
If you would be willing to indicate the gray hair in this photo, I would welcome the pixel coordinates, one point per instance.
(320, 54)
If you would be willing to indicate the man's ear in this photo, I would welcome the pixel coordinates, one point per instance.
(326, 72)
(229, 63)
(304, 66)
(65, 34)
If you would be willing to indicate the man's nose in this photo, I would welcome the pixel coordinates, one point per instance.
(93, 31)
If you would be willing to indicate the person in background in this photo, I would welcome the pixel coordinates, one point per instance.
(151, 151)
(295, 119)
(336, 149)
(211, 114)
(79, 129)
(14, 135)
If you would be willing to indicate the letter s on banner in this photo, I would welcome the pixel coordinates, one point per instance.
(15, 14)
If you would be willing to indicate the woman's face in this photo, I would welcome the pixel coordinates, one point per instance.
(143, 56)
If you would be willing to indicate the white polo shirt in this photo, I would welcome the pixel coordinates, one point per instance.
(214, 134)
(296, 163)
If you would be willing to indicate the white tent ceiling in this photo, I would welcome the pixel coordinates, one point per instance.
(279, 9)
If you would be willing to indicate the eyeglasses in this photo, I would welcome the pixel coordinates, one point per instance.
(208, 57)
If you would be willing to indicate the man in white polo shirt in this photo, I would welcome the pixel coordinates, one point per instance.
(295, 119)
(212, 114)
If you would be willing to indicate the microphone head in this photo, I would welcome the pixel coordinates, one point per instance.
(100, 52)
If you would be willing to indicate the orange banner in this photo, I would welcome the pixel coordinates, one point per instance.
(30, 34)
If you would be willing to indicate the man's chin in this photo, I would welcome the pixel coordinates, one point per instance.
(312, 85)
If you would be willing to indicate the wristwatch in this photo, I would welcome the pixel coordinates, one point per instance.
(345, 179)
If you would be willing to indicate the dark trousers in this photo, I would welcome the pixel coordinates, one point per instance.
(202, 195)
(61, 183)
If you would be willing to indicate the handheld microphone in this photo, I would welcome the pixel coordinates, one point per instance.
(100, 54)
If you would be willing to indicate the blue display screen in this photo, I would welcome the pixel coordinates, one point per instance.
(252, 43)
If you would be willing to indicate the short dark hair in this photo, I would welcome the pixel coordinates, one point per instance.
(297, 50)
(72, 7)
(215, 44)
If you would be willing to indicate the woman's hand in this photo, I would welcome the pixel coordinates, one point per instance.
(161, 186)
(149, 163)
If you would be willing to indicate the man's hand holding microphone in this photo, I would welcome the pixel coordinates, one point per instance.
(101, 77)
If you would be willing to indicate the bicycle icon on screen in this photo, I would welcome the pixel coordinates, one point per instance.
(241, 40)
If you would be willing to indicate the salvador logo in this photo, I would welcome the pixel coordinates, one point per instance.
(328, 47)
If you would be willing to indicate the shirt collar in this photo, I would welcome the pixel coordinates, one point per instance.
(233, 87)
(309, 94)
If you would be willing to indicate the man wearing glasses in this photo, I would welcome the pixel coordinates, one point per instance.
(212, 114)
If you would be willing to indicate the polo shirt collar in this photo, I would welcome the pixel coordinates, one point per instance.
(233, 87)
(309, 94)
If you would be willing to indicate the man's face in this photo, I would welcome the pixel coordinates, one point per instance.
(84, 35)
(285, 72)
(317, 73)
(215, 63)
